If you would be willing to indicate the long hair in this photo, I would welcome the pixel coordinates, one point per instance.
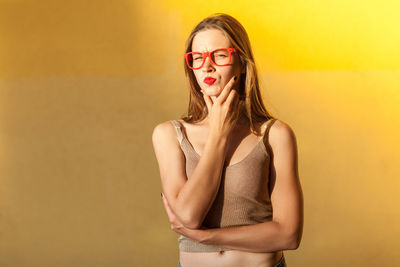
(250, 101)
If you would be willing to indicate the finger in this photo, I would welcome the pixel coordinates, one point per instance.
(208, 101)
(166, 205)
(232, 95)
(225, 92)
(171, 215)
(176, 230)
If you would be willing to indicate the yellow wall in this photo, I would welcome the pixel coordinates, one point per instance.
(83, 83)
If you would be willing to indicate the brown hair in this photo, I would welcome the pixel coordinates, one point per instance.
(249, 90)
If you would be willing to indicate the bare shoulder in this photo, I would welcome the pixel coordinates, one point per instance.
(281, 134)
(164, 132)
(165, 140)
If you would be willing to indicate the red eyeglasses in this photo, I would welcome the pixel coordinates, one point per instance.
(218, 57)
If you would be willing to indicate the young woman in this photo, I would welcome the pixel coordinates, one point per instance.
(228, 169)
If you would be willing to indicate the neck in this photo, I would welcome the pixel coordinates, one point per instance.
(241, 121)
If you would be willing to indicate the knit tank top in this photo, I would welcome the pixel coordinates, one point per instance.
(243, 197)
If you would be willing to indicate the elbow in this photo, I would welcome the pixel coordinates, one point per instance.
(293, 245)
(190, 222)
(292, 236)
(293, 242)
(187, 219)
(192, 226)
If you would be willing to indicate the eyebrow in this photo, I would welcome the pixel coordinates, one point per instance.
(209, 50)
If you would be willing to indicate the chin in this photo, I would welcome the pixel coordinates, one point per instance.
(213, 91)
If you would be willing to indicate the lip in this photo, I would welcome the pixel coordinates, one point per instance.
(209, 80)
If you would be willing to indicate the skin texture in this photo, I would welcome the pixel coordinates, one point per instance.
(253, 245)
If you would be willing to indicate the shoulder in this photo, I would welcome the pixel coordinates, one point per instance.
(164, 131)
(280, 127)
(281, 135)
(163, 127)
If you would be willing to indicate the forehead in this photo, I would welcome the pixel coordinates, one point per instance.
(210, 39)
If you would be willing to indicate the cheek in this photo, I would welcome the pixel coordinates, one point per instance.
(198, 78)
(197, 75)
(226, 75)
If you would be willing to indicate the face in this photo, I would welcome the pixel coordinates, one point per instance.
(209, 40)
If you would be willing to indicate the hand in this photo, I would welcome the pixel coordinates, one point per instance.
(220, 111)
(177, 226)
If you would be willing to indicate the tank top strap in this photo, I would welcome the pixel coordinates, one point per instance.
(178, 128)
(267, 126)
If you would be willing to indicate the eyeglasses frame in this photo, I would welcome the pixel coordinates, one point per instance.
(208, 54)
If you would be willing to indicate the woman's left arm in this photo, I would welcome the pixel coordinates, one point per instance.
(284, 232)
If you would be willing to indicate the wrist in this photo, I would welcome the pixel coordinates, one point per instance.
(206, 236)
(217, 139)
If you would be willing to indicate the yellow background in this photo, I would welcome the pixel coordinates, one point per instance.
(83, 84)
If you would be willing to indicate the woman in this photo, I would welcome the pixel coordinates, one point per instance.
(228, 164)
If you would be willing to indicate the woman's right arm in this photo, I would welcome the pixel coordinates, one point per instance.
(191, 198)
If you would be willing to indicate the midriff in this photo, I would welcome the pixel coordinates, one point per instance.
(229, 258)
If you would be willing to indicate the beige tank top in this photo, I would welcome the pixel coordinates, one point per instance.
(243, 197)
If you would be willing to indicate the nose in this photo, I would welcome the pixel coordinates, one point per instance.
(208, 66)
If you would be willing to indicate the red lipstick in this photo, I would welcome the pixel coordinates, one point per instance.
(209, 80)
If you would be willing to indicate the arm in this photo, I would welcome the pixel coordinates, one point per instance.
(190, 199)
(285, 230)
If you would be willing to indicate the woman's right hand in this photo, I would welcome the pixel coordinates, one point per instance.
(220, 114)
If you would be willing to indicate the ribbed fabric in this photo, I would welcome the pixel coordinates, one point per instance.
(243, 195)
